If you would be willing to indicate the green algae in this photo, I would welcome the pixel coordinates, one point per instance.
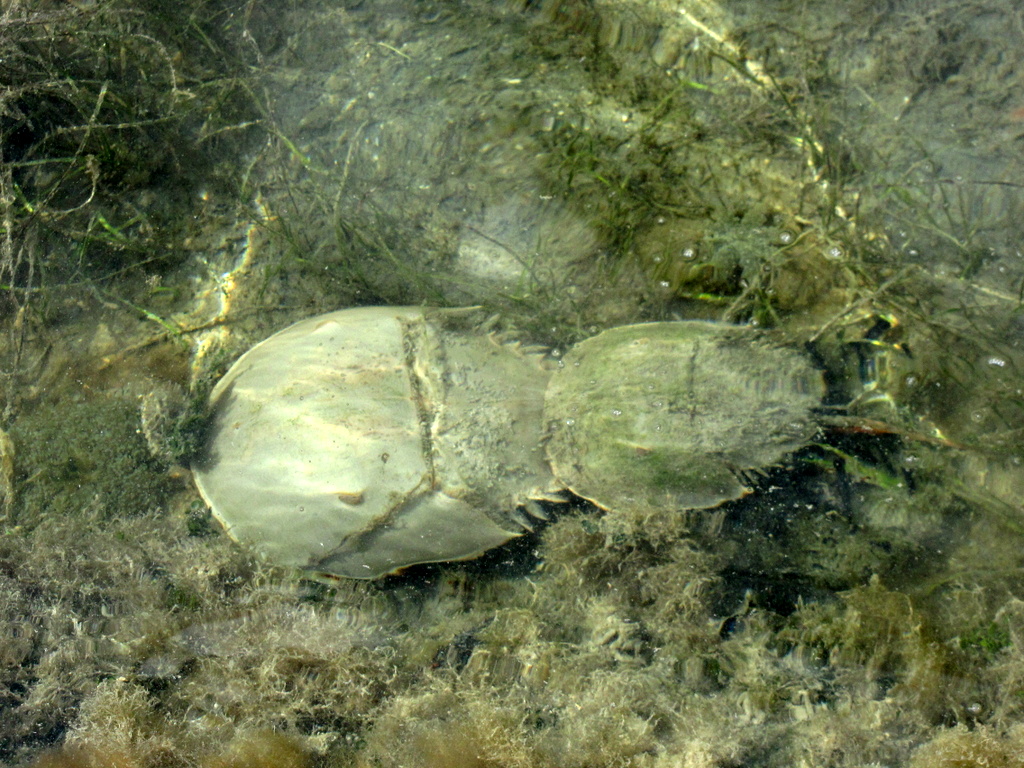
(85, 454)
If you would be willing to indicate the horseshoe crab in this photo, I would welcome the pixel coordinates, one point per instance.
(366, 440)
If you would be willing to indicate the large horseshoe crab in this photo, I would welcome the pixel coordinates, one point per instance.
(366, 440)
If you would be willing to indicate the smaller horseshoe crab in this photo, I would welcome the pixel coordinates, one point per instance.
(366, 440)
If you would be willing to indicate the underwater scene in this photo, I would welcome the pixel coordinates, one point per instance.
(511, 384)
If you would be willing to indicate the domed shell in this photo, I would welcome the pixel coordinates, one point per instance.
(673, 415)
(366, 440)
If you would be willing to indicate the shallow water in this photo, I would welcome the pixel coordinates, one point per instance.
(846, 177)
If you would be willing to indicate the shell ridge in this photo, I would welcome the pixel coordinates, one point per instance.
(420, 354)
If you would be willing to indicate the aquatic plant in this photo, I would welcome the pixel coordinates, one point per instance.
(259, 749)
(962, 748)
(114, 117)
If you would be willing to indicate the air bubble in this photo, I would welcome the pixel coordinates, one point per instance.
(997, 362)
(570, 422)
(616, 412)
(689, 253)
(786, 238)
(663, 284)
(834, 252)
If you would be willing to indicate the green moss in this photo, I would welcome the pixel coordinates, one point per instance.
(199, 521)
(987, 641)
(85, 456)
(187, 428)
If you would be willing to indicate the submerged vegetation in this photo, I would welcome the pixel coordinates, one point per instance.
(178, 180)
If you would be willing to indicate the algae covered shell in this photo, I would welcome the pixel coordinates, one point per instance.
(674, 415)
(366, 440)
